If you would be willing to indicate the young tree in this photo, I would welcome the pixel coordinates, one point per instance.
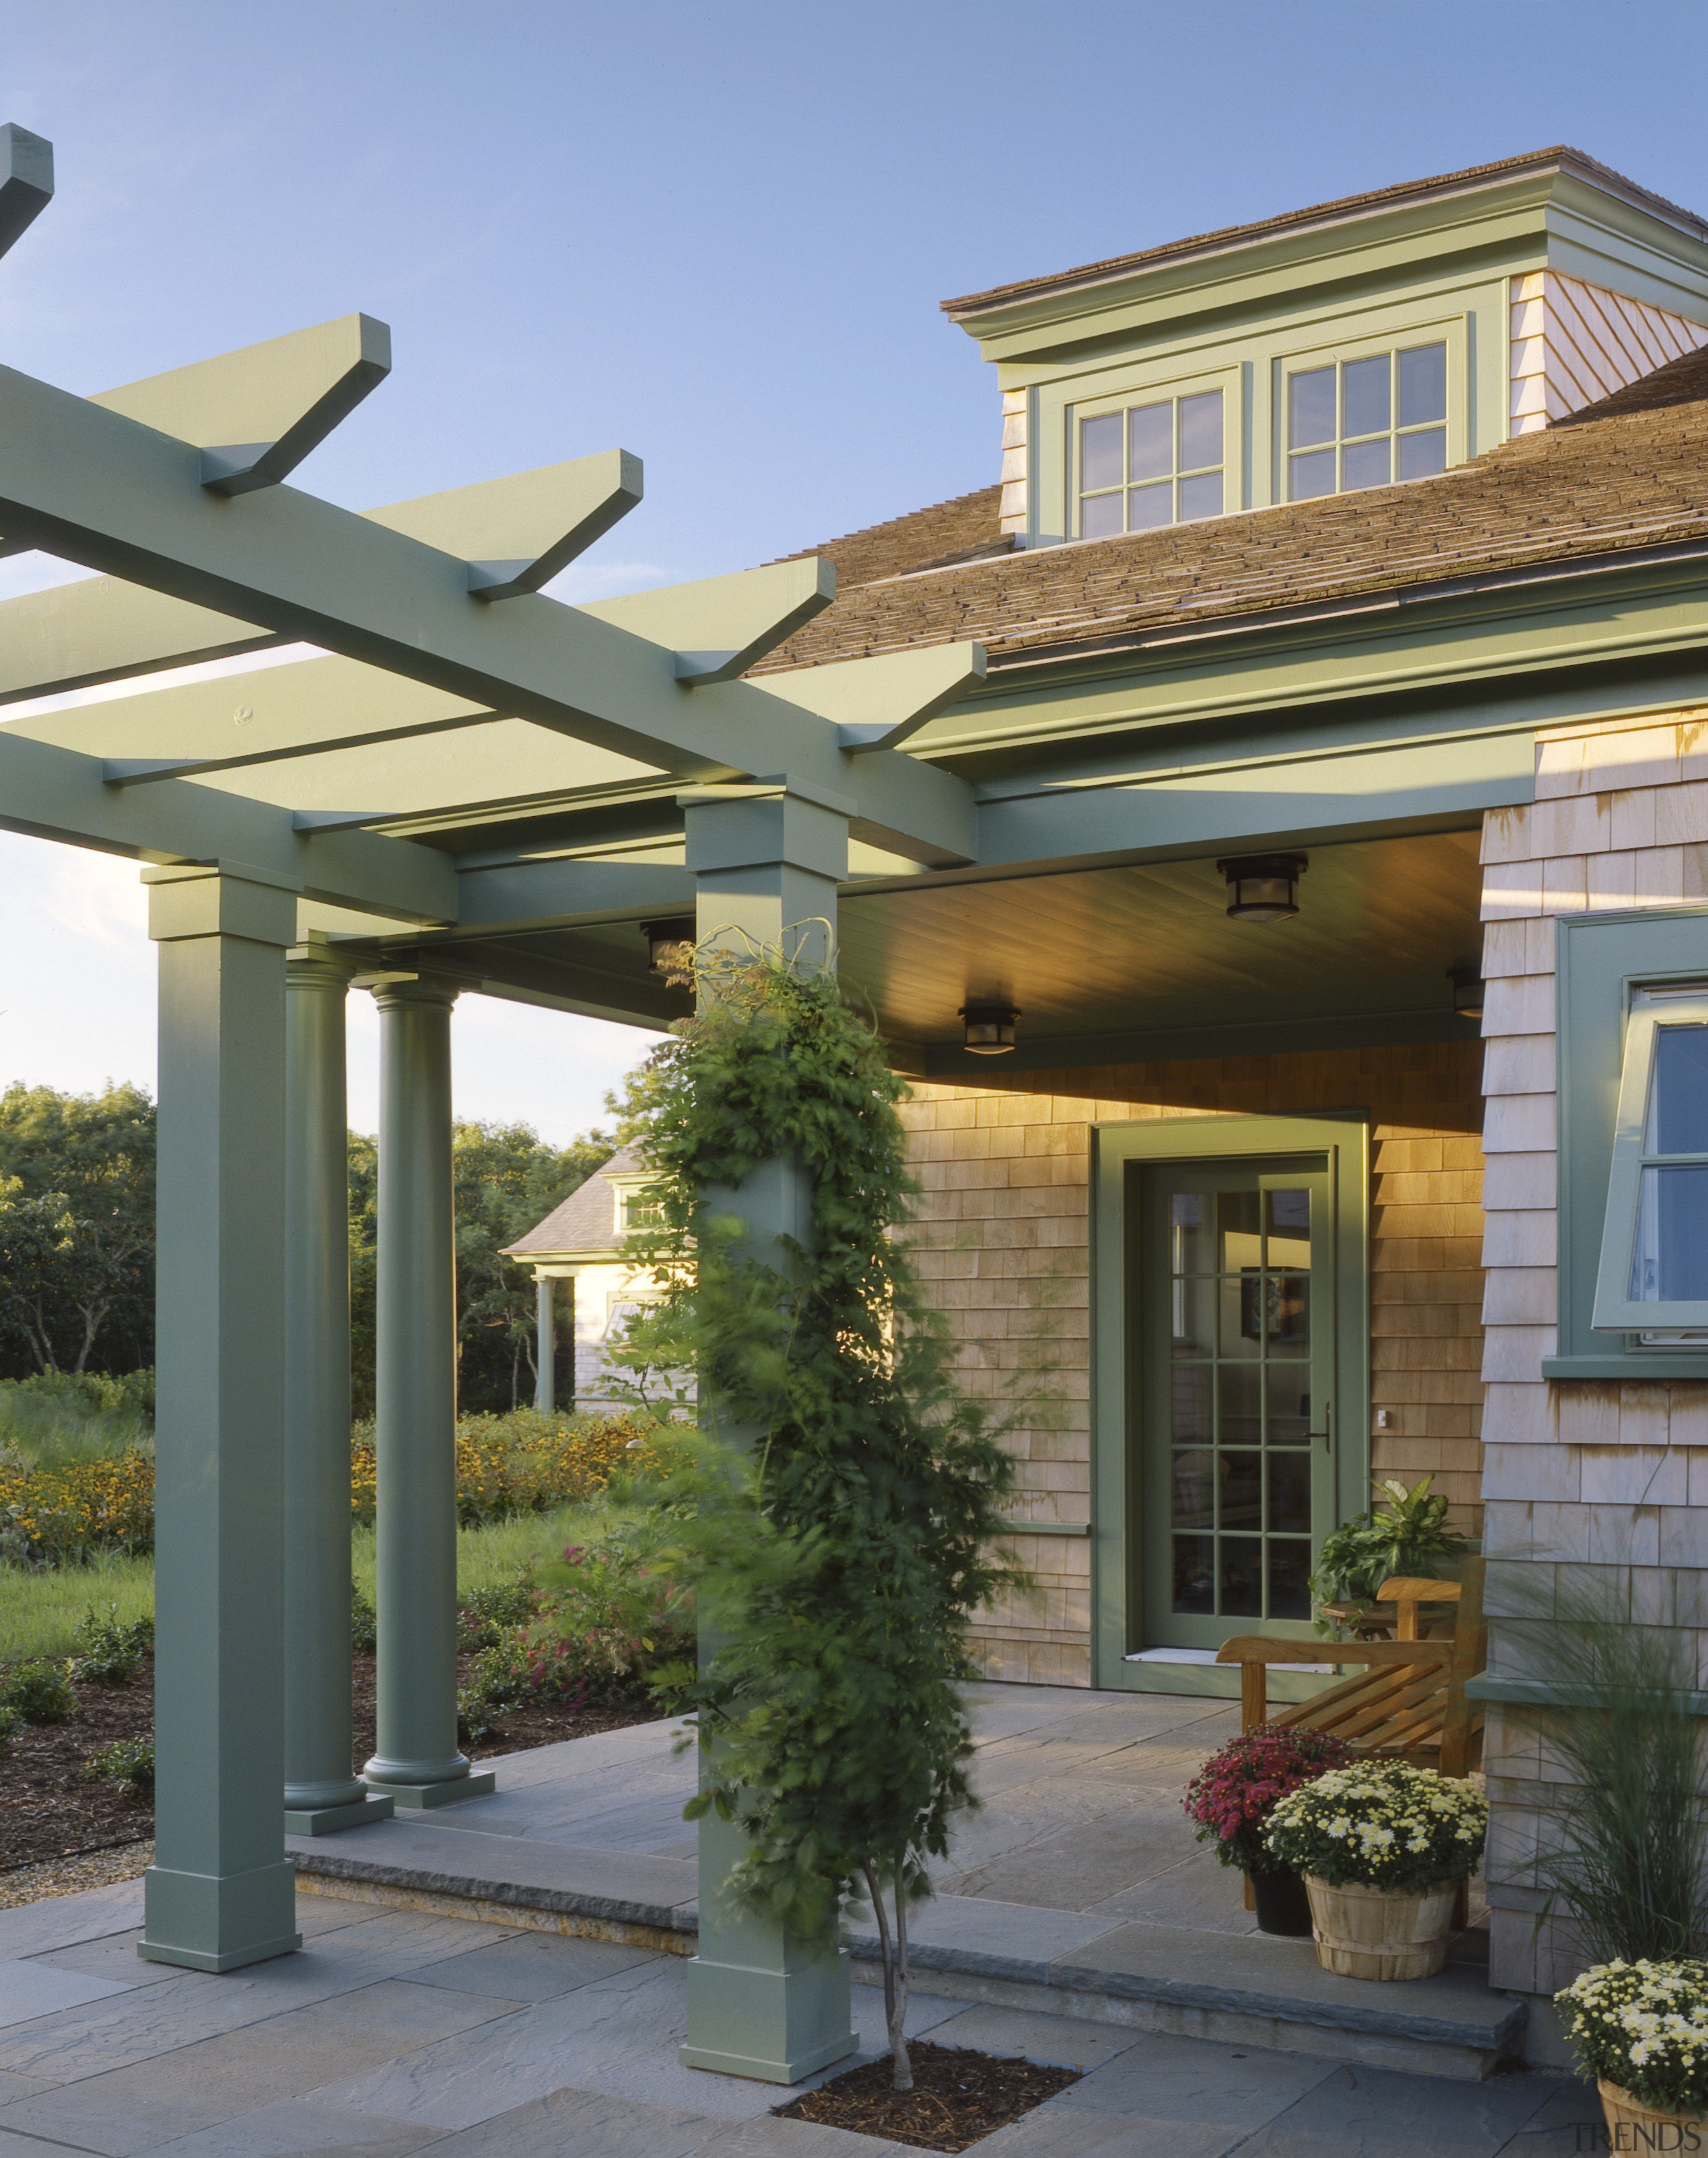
(85, 1161)
(847, 1496)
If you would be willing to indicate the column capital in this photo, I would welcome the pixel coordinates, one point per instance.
(394, 992)
(315, 964)
(219, 899)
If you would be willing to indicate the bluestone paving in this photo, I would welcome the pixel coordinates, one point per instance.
(28, 1928)
(132, 2110)
(1365, 2113)
(295, 2128)
(1162, 2077)
(1070, 1870)
(990, 1939)
(582, 2123)
(1199, 1892)
(1061, 2042)
(530, 1966)
(29, 1989)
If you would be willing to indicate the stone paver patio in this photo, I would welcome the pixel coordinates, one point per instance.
(397, 2029)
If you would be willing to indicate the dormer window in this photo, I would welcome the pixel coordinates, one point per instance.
(1366, 422)
(1158, 463)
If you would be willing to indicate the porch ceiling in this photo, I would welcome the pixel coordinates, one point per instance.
(1146, 949)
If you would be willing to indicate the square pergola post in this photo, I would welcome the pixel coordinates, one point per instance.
(763, 2000)
(220, 1892)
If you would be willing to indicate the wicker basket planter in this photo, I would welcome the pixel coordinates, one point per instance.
(1634, 2126)
(1380, 1933)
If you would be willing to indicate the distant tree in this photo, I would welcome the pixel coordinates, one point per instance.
(77, 1228)
(505, 1179)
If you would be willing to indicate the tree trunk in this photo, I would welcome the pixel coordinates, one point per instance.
(893, 1953)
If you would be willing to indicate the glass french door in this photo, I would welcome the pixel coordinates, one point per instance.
(1236, 1478)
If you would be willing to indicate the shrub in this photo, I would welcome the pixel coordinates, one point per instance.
(496, 1685)
(1380, 1824)
(109, 1653)
(486, 1615)
(611, 1621)
(1644, 2026)
(40, 1692)
(1233, 1795)
(61, 1515)
(128, 1763)
(524, 1463)
(364, 1625)
(10, 1720)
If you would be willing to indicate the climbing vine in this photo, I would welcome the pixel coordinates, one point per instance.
(847, 1495)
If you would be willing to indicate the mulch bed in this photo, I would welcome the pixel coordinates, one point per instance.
(958, 2098)
(47, 1811)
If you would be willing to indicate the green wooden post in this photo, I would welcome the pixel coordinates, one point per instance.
(546, 1347)
(416, 1758)
(322, 1791)
(221, 1892)
(763, 2001)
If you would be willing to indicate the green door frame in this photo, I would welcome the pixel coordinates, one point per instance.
(1118, 1152)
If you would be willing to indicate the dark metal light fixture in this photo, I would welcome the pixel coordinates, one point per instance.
(1467, 991)
(671, 945)
(1263, 887)
(990, 1028)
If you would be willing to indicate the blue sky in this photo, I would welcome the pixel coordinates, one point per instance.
(717, 235)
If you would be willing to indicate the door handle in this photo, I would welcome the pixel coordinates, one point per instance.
(1327, 1433)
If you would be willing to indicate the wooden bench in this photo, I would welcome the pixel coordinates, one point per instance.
(1408, 1703)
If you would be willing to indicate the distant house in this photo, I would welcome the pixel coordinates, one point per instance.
(581, 1244)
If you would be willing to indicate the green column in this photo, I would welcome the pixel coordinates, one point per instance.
(546, 1346)
(763, 2001)
(322, 1791)
(221, 1892)
(417, 1759)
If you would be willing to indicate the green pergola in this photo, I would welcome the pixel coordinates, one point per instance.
(268, 905)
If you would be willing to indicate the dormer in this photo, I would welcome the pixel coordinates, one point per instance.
(1361, 343)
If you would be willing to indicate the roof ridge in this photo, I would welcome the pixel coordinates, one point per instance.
(1342, 206)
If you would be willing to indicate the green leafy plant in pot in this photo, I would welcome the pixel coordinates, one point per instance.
(1408, 1536)
(1234, 1793)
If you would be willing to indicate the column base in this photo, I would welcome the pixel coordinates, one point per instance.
(218, 1922)
(328, 1820)
(454, 1788)
(772, 2027)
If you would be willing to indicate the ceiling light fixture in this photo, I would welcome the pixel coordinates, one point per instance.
(670, 944)
(1263, 887)
(990, 1028)
(1467, 991)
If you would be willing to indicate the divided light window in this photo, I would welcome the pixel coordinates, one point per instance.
(1360, 423)
(1153, 464)
(1653, 1274)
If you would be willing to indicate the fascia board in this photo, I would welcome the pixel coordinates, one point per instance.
(1624, 233)
(1384, 650)
(1268, 273)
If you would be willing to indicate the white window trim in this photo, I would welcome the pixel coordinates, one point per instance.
(1616, 1311)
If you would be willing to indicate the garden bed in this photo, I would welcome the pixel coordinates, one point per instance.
(48, 1811)
(958, 2098)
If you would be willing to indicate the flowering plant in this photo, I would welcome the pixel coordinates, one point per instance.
(1644, 2026)
(1381, 1824)
(1232, 1794)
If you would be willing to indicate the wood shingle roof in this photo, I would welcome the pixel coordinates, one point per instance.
(1628, 473)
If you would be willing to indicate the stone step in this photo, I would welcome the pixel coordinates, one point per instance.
(1244, 1987)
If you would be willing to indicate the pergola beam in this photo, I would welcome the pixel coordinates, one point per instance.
(256, 413)
(52, 793)
(26, 180)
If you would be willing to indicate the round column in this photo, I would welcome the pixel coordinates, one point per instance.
(417, 1759)
(546, 1346)
(322, 1791)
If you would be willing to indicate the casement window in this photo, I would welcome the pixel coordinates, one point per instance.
(1633, 1021)
(1156, 461)
(1653, 1278)
(1366, 422)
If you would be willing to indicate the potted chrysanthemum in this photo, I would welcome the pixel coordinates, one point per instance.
(1641, 2030)
(1234, 1793)
(1383, 1848)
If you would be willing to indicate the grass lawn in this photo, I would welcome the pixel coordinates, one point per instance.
(39, 1609)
